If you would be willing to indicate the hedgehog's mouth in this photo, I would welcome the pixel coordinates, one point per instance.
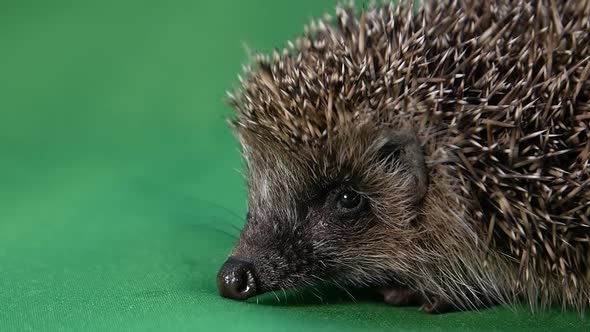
(239, 279)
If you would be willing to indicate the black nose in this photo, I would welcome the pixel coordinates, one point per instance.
(237, 279)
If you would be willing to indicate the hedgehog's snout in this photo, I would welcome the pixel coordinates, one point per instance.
(237, 279)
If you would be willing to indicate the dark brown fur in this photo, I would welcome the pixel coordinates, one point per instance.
(497, 94)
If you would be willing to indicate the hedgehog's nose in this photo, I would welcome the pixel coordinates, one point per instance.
(237, 279)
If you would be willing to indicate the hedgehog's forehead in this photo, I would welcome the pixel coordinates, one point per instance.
(272, 162)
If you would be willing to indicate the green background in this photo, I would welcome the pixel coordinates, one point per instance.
(120, 184)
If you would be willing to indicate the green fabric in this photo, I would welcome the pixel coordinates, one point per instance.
(120, 187)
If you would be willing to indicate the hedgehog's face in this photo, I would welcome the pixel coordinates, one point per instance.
(343, 212)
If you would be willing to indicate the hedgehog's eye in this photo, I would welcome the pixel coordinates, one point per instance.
(349, 200)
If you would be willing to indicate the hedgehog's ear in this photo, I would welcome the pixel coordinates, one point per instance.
(403, 147)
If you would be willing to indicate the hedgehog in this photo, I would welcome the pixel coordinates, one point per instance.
(434, 153)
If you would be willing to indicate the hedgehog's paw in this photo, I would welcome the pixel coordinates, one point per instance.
(436, 305)
(399, 296)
